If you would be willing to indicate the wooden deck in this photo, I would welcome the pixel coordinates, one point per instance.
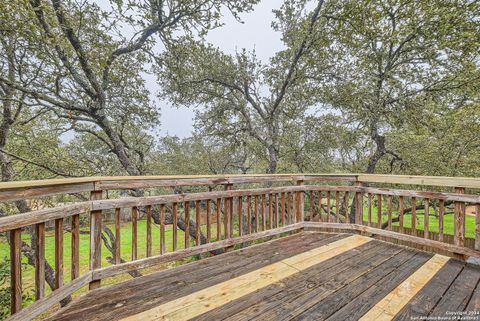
(306, 276)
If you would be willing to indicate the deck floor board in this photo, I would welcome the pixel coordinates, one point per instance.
(343, 287)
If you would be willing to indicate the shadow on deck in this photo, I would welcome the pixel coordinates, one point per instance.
(308, 276)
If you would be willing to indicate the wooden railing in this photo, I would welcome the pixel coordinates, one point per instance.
(215, 220)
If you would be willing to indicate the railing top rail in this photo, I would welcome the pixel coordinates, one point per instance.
(10, 191)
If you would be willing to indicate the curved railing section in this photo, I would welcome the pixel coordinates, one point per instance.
(212, 214)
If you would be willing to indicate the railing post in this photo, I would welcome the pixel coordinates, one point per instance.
(95, 238)
(459, 226)
(358, 204)
(300, 204)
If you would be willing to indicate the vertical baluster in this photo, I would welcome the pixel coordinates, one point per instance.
(337, 206)
(477, 227)
(370, 203)
(311, 201)
(264, 212)
(426, 211)
(117, 236)
(219, 220)
(328, 206)
(379, 210)
(414, 216)
(58, 253)
(228, 204)
(186, 207)
(277, 212)
(40, 261)
(134, 232)
(16, 270)
(249, 214)
(270, 211)
(401, 214)
(346, 199)
(441, 213)
(358, 199)
(255, 211)
(284, 212)
(289, 207)
(75, 247)
(459, 212)
(95, 239)
(389, 211)
(198, 222)
(149, 230)
(240, 215)
(300, 205)
(209, 228)
(320, 205)
(162, 229)
(174, 227)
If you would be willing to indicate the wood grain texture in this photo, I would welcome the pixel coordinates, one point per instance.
(393, 303)
(160, 287)
(15, 271)
(75, 247)
(149, 231)
(58, 253)
(117, 236)
(180, 254)
(459, 226)
(162, 230)
(134, 233)
(40, 261)
(202, 301)
(95, 238)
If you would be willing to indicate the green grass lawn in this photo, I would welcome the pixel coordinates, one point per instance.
(448, 221)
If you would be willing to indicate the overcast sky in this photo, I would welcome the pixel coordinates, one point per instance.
(255, 33)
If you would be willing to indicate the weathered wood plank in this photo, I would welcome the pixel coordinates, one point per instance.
(129, 297)
(149, 230)
(198, 222)
(186, 215)
(15, 270)
(392, 303)
(379, 211)
(75, 247)
(337, 207)
(40, 261)
(459, 293)
(401, 214)
(172, 256)
(426, 212)
(134, 233)
(263, 302)
(209, 221)
(204, 300)
(95, 238)
(299, 209)
(175, 225)
(414, 215)
(366, 288)
(162, 230)
(459, 226)
(117, 236)
(218, 212)
(44, 304)
(430, 294)
(58, 253)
